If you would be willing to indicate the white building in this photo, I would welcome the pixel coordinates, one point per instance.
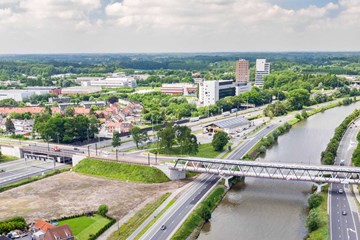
(16, 94)
(111, 82)
(262, 69)
(211, 91)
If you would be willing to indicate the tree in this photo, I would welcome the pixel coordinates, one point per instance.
(9, 125)
(219, 141)
(297, 98)
(138, 136)
(116, 141)
(205, 213)
(315, 200)
(113, 99)
(313, 221)
(103, 210)
(167, 136)
(69, 111)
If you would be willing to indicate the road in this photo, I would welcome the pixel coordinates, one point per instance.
(341, 199)
(181, 208)
(20, 169)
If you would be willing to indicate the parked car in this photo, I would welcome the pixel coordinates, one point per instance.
(341, 191)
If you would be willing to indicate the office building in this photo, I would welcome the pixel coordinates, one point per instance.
(242, 71)
(111, 82)
(262, 69)
(211, 91)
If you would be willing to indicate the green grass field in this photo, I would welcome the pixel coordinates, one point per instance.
(82, 227)
(121, 171)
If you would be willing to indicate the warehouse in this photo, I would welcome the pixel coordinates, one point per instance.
(228, 125)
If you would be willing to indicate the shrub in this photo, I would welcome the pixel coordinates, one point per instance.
(103, 210)
(313, 221)
(315, 200)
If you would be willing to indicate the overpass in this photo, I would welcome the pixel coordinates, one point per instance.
(281, 171)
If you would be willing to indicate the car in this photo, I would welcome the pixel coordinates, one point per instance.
(76, 149)
(344, 212)
(128, 136)
(342, 162)
(267, 126)
(56, 149)
(163, 227)
(341, 191)
(245, 137)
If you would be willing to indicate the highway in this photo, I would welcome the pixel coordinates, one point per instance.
(17, 170)
(181, 208)
(343, 212)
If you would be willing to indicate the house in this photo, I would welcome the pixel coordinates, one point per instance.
(111, 127)
(22, 126)
(62, 232)
(40, 228)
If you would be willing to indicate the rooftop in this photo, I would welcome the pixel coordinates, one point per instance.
(231, 123)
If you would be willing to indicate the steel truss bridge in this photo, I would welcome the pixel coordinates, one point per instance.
(281, 171)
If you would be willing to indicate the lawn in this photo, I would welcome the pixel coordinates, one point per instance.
(82, 227)
(121, 171)
(322, 231)
(205, 151)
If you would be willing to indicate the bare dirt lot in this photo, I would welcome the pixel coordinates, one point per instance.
(71, 193)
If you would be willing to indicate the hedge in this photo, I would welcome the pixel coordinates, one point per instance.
(12, 224)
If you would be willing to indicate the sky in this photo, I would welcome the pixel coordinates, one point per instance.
(131, 26)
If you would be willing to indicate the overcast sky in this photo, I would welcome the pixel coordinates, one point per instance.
(87, 26)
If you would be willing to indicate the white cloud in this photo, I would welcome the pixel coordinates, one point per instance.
(175, 25)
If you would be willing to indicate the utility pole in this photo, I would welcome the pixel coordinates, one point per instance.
(96, 149)
(116, 151)
(88, 150)
(149, 159)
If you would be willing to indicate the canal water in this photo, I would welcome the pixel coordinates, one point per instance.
(275, 209)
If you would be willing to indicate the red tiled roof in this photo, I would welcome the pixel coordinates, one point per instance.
(81, 110)
(43, 226)
(113, 124)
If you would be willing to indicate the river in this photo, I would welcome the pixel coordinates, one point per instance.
(275, 209)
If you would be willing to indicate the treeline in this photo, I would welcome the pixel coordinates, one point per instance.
(328, 156)
(65, 129)
(12, 224)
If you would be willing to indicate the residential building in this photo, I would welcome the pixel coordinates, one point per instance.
(23, 126)
(242, 71)
(262, 69)
(211, 91)
(62, 232)
(59, 99)
(179, 89)
(89, 104)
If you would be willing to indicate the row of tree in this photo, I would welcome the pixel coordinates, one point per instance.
(65, 129)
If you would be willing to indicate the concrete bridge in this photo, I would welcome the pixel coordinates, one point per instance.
(282, 171)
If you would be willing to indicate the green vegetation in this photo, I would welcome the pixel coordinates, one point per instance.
(315, 200)
(116, 140)
(201, 214)
(154, 220)
(219, 141)
(205, 150)
(138, 136)
(328, 156)
(6, 158)
(129, 227)
(85, 227)
(317, 222)
(32, 179)
(356, 154)
(120, 171)
(12, 224)
(103, 210)
(266, 142)
(66, 129)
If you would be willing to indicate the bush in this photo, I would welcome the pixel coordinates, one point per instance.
(313, 221)
(103, 210)
(315, 200)
(12, 224)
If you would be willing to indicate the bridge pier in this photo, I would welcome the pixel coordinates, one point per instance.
(227, 181)
(319, 186)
